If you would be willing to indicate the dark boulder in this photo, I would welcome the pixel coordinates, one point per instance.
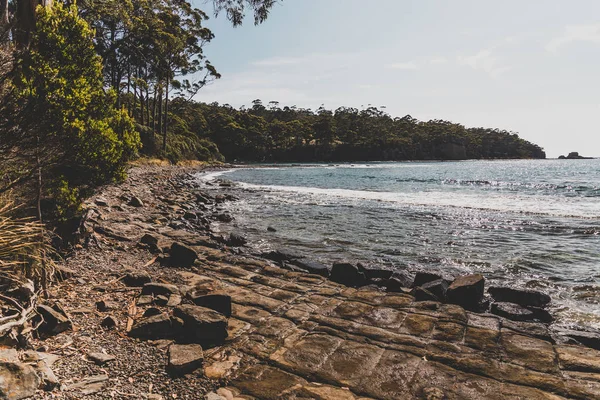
(280, 256)
(423, 277)
(313, 267)
(182, 255)
(421, 294)
(398, 281)
(202, 325)
(438, 288)
(219, 302)
(151, 241)
(271, 229)
(154, 327)
(224, 217)
(347, 274)
(236, 240)
(588, 339)
(375, 272)
(467, 291)
(522, 297)
(515, 312)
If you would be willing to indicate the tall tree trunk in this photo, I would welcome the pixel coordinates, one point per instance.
(166, 123)
(39, 178)
(154, 109)
(4, 23)
(160, 110)
(147, 104)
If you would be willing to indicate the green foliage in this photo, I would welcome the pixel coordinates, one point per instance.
(346, 134)
(77, 135)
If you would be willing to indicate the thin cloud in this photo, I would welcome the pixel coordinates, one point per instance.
(403, 65)
(575, 33)
(485, 61)
(438, 61)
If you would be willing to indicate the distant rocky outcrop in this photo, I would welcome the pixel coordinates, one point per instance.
(574, 156)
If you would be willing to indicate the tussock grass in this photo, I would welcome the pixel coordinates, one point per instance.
(24, 251)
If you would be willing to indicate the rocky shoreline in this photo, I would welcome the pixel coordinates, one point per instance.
(154, 305)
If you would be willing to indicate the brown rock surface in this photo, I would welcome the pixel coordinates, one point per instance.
(292, 334)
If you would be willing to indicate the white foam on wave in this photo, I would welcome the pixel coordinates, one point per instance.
(559, 206)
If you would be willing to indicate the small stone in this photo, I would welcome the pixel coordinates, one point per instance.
(135, 202)
(90, 384)
(157, 289)
(184, 359)
(271, 229)
(54, 319)
(109, 322)
(174, 300)
(182, 255)
(151, 312)
(101, 358)
(136, 278)
(107, 305)
(145, 300)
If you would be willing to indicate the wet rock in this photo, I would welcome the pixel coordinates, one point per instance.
(136, 278)
(467, 291)
(90, 384)
(271, 229)
(182, 255)
(218, 302)
(53, 319)
(236, 240)
(347, 274)
(135, 202)
(280, 256)
(100, 358)
(201, 324)
(423, 277)
(184, 358)
(312, 266)
(109, 322)
(422, 294)
(224, 217)
(522, 297)
(516, 312)
(107, 305)
(157, 289)
(17, 381)
(398, 281)
(155, 327)
(588, 339)
(219, 199)
(438, 288)
(374, 272)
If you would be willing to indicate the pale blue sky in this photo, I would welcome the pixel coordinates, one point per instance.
(529, 66)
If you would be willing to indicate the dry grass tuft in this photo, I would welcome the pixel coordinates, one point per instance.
(23, 249)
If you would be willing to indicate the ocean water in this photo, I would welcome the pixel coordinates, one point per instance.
(530, 224)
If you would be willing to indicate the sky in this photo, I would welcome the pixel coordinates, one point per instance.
(532, 66)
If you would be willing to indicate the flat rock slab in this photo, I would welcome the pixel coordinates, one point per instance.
(153, 327)
(90, 384)
(184, 358)
(101, 358)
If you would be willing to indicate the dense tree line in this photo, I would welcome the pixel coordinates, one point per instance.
(274, 133)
